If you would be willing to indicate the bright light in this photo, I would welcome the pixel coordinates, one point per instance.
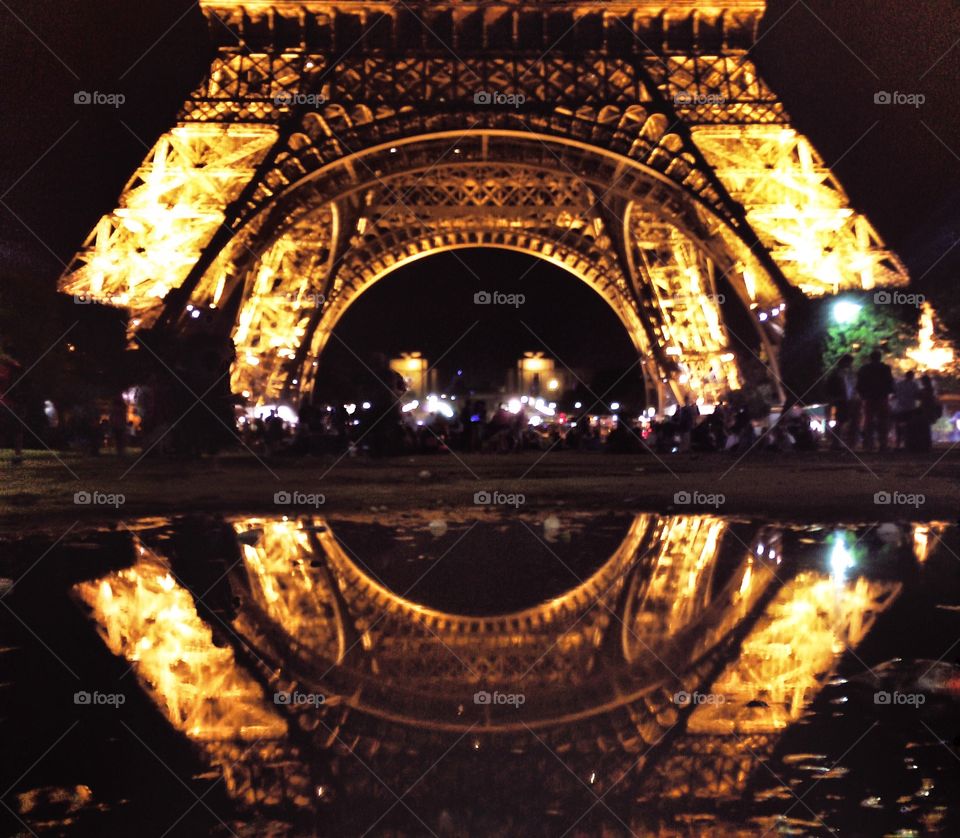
(365, 405)
(554, 384)
(840, 559)
(929, 353)
(410, 406)
(434, 405)
(535, 420)
(514, 405)
(846, 312)
(350, 408)
(578, 405)
(614, 405)
(762, 316)
(285, 412)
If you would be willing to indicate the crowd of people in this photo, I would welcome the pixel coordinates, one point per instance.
(868, 403)
(868, 408)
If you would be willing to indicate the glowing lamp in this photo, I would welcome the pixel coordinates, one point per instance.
(845, 312)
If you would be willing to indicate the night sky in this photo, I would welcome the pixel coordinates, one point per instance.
(428, 306)
(62, 165)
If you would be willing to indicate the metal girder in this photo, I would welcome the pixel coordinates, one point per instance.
(654, 108)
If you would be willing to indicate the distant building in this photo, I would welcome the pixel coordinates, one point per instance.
(416, 371)
(537, 375)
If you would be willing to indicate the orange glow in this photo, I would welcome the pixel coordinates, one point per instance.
(146, 617)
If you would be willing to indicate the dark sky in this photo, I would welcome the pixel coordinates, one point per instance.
(62, 165)
(428, 306)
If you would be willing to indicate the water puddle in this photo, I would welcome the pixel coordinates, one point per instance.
(478, 673)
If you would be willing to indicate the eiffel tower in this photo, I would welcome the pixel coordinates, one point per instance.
(632, 143)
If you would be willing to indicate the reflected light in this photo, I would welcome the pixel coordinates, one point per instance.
(147, 618)
(841, 559)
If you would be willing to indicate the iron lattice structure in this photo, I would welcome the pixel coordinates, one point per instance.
(634, 144)
(600, 665)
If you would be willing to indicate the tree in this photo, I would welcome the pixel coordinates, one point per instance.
(875, 326)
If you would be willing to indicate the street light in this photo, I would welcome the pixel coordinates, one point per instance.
(845, 312)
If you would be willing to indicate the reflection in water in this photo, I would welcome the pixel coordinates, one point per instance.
(790, 653)
(686, 605)
(150, 620)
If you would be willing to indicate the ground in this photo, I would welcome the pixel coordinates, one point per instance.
(820, 486)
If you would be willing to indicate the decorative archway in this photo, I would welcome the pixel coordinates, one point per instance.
(650, 249)
(641, 149)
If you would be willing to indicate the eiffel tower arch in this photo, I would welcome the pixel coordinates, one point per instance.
(633, 144)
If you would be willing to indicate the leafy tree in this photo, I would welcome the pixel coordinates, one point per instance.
(883, 327)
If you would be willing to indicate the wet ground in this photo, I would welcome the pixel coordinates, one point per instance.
(468, 671)
(799, 487)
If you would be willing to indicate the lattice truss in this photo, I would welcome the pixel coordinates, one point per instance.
(668, 86)
(548, 213)
(716, 89)
(166, 215)
(285, 290)
(799, 209)
(792, 651)
(677, 587)
(682, 285)
(553, 644)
